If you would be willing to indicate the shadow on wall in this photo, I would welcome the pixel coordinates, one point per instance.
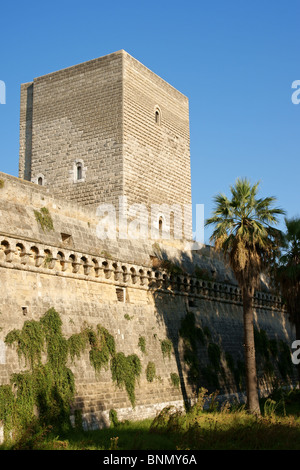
(208, 345)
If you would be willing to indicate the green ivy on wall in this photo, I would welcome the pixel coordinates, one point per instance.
(44, 218)
(150, 371)
(166, 347)
(125, 371)
(142, 344)
(48, 386)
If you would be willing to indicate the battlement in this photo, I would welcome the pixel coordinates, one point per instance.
(17, 253)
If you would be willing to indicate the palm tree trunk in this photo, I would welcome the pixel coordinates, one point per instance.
(251, 376)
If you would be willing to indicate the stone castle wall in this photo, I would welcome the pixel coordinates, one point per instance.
(75, 115)
(103, 114)
(156, 154)
(79, 277)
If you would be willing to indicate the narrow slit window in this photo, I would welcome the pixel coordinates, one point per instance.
(157, 115)
(40, 181)
(79, 171)
(160, 227)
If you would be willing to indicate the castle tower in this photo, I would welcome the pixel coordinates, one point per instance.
(107, 128)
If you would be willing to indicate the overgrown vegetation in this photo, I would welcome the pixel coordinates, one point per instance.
(175, 379)
(191, 336)
(39, 399)
(113, 418)
(125, 371)
(142, 344)
(47, 387)
(207, 425)
(44, 218)
(150, 371)
(43, 394)
(166, 348)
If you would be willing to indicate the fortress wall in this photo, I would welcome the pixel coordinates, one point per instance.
(102, 114)
(156, 154)
(71, 115)
(19, 199)
(37, 272)
(153, 313)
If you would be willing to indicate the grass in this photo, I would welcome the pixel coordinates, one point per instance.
(230, 428)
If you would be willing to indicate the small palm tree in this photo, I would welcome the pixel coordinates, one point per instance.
(288, 273)
(244, 233)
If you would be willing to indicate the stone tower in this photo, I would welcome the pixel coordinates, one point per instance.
(107, 128)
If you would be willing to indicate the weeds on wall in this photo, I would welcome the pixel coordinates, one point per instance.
(102, 347)
(175, 379)
(166, 348)
(44, 218)
(45, 392)
(125, 371)
(46, 387)
(113, 418)
(142, 344)
(150, 371)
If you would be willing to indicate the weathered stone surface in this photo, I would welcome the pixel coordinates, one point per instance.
(103, 114)
(85, 293)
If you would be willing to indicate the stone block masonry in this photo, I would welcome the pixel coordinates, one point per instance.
(90, 134)
(38, 271)
(75, 115)
(125, 127)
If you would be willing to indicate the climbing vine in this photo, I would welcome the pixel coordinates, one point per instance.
(150, 371)
(166, 347)
(142, 344)
(47, 388)
(175, 379)
(125, 370)
(29, 342)
(102, 346)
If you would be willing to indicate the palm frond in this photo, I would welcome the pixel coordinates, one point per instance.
(243, 228)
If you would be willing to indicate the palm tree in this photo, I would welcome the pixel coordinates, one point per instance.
(288, 273)
(243, 232)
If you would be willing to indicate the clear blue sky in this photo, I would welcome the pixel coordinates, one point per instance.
(234, 59)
